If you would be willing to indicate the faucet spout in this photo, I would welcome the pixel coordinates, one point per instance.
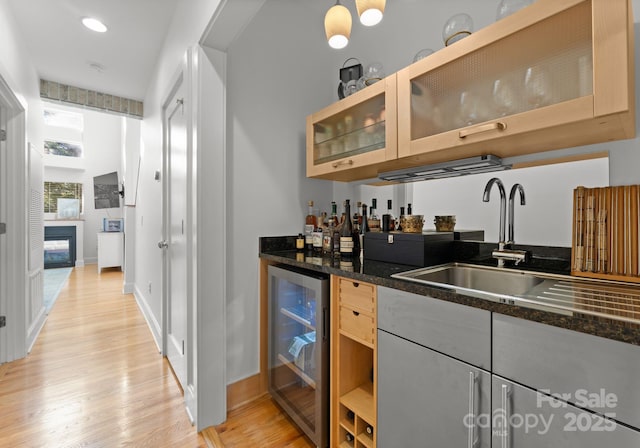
(517, 188)
(503, 206)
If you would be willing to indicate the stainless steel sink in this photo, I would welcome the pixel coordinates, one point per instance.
(562, 294)
(473, 278)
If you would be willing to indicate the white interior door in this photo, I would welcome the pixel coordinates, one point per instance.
(176, 233)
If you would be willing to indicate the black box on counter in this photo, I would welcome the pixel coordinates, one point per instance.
(414, 249)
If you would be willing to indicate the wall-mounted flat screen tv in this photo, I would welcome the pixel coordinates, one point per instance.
(105, 191)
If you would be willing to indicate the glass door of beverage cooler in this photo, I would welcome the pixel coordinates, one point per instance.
(299, 348)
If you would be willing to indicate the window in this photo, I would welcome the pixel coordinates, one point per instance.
(63, 148)
(60, 190)
(64, 119)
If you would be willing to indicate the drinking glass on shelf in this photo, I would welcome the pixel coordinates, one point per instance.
(537, 87)
(469, 108)
(504, 97)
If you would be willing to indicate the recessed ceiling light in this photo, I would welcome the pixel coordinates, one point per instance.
(94, 24)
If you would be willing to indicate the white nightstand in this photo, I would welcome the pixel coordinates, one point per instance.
(110, 249)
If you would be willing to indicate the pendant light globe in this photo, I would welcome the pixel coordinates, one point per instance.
(337, 26)
(370, 11)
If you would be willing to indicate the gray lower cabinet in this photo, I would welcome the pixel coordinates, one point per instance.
(525, 418)
(427, 399)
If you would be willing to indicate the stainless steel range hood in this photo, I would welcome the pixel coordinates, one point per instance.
(461, 167)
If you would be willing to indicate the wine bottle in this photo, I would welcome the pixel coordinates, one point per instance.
(364, 228)
(369, 430)
(349, 437)
(356, 234)
(409, 209)
(350, 415)
(346, 233)
(309, 226)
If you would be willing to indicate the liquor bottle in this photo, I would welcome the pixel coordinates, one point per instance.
(374, 220)
(327, 237)
(392, 219)
(400, 219)
(309, 226)
(334, 214)
(317, 239)
(300, 242)
(409, 209)
(346, 233)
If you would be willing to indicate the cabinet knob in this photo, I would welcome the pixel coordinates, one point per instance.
(163, 244)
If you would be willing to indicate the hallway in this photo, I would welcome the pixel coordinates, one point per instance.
(94, 377)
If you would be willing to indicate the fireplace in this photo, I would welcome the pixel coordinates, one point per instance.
(59, 247)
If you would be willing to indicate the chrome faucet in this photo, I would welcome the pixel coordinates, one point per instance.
(503, 253)
(503, 205)
(516, 188)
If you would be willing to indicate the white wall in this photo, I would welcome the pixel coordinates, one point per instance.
(545, 219)
(102, 141)
(19, 73)
(189, 22)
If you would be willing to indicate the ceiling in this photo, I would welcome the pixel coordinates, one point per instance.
(63, 50)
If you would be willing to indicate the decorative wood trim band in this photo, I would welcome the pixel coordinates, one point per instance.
(89, 98)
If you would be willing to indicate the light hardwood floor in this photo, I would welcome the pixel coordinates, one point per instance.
(94, 377)
(262, 424)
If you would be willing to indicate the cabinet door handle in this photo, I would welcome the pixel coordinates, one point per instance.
(472, 410)
(355, 313)
(505, 410)
(342, 162)
(497, 126)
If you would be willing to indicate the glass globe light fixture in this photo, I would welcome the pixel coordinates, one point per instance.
(457, 27)
(422, 54)
(373, 73)
(508, 7)
(337, 26)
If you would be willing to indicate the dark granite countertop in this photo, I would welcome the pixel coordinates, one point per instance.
(279, 250)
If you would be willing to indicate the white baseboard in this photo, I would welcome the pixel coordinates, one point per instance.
(79, 263)
(152, 323)
(128, 288)
(35, 328)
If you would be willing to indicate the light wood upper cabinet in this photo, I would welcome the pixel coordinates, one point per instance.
(348, 139)
(556, 74)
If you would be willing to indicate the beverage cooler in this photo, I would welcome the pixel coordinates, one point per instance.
(299, 348)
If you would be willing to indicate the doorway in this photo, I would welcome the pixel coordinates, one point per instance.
(13, 226)
(176, 344)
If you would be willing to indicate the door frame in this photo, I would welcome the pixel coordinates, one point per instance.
(14, 176)
(204, 72)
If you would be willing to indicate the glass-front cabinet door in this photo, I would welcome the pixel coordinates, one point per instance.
(346, 139)
(556, 74)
